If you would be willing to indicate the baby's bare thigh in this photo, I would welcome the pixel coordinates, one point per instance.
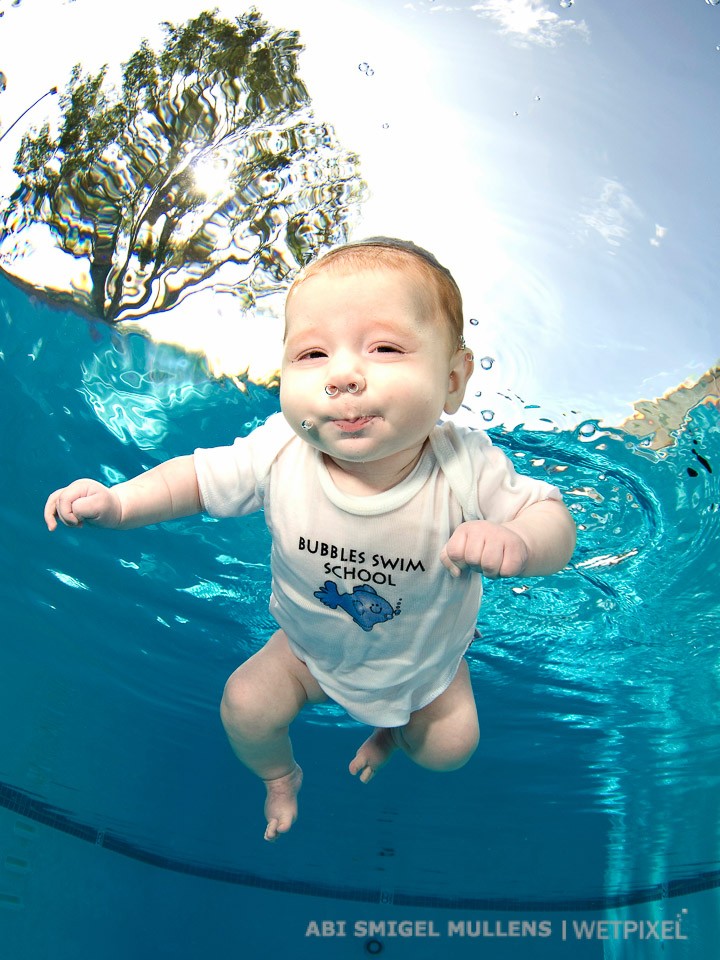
(453, 711)
(444, 734)
(276, 671)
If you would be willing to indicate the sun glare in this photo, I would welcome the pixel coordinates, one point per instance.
(211, 176)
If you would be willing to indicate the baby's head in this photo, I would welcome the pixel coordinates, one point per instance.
(435, 284)
(374, 351)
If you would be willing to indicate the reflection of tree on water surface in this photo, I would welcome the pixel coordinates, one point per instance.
(657, 421)
(208, 166)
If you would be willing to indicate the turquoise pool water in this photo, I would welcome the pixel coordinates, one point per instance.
(595, 783)
(559, 157)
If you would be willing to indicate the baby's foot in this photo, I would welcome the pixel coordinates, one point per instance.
(281, 803)
(373, 754)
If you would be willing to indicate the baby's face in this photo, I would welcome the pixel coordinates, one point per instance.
(368, 364)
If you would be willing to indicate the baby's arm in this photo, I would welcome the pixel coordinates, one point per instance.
(166, 492)
(539, 541)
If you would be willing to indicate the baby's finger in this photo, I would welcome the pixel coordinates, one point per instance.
(51, 512)
(65, 510)
(88, 508)
(491, 560)
(454, 566)
(514, 559)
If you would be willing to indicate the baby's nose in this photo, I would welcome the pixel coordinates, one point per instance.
(350, 383)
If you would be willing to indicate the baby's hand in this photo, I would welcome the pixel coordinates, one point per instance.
(83, 500)
(490, 548)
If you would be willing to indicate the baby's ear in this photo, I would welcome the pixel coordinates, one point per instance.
(460, 372)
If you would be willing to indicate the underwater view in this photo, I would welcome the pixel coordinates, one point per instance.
(162, 182)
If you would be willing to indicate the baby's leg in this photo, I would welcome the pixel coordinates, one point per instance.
(445, 733)
(441, 736)
(261, 699)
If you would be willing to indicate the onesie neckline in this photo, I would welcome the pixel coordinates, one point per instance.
(377, 503)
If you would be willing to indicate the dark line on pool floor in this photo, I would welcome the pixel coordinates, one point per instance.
(26, 805)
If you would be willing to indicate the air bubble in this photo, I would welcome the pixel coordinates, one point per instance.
(474, 322)
(366, 69)
(386, 126)
(307, 424)
(713, 3)
(566, 4)
(486, 363)
(588, 430)
(487, 415)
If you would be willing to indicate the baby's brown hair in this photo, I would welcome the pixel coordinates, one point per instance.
(388, 252)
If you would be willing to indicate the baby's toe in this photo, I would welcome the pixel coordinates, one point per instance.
(360, 765)
(367, 774)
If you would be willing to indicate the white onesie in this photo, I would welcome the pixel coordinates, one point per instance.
(357, 582)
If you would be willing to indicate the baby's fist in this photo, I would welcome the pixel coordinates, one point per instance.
(83, 500)
(489, 548)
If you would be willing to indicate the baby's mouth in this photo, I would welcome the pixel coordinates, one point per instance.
(352, 424)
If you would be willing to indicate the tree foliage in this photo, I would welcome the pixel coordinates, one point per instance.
(206, 165)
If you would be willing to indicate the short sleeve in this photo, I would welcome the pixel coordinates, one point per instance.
(232, 479)
(503, 493)
(483, 478)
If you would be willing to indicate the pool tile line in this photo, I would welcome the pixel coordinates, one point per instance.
(33, 808)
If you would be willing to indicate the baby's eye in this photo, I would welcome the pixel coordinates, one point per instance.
(387, 348)
(311, 355)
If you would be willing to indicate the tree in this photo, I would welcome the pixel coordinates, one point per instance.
(208, 166)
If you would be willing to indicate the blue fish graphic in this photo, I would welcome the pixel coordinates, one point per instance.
(364, 605)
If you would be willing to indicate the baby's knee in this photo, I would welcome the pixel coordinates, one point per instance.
(240, 708)
(458, 755)
(258, 702)
(450, 753)
(461, 752)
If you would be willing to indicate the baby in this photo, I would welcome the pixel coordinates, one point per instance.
(381, 520)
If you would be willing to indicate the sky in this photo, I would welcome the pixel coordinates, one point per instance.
(559, 157)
